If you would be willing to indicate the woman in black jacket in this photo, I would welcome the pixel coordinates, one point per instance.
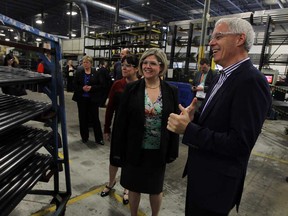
(141, 141)
(89, 86)
(69, 72)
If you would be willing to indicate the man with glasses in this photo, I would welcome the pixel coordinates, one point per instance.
(222, 133)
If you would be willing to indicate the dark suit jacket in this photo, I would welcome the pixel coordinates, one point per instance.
(128, 129)
(221, 139)
(209, 78)
(97, 81)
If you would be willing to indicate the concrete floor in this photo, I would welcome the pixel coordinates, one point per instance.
(265, 193)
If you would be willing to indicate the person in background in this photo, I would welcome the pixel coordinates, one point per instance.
(222, 133)
(40, 66)
(202, 80)
(11, 60)
(48, 63)
(129, 73)
(17, 90)
(141, 142)
(117, 65)
(89, 85)
(69, 72)
(104, 71)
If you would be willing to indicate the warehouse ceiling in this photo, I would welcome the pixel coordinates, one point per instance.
(101, 14)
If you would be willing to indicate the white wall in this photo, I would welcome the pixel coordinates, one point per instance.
(73, 46)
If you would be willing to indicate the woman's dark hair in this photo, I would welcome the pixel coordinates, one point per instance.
(8, 57)
(131, 59)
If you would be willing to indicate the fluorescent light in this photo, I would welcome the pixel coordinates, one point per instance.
(92, 32)
(39, 21)
(73, 35)
(2, 34)
(7, 39)
(38, 39)
(16, 38)
(74, 13)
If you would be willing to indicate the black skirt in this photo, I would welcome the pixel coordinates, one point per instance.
(147, 177)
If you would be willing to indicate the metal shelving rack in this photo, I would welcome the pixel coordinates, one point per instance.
(21, 165)
(271, 37)
(276, 38)
(137, 37)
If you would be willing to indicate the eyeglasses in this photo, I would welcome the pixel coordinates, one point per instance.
(127, 65)
(151, 63)
(219, 35)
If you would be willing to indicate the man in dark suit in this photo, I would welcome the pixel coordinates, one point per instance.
(223, 132)
(202, 80)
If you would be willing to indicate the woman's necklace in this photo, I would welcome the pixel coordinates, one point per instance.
(157, 83)
(150, 87)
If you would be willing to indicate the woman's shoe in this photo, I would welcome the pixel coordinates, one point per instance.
(106, 193)
(125, 197)
(101, 142)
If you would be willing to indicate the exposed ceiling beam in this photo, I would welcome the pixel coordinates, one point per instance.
(241, 11)
(217, 14)
(260, 4)
(280, 3)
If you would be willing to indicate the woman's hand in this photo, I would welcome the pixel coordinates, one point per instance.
(86, 88)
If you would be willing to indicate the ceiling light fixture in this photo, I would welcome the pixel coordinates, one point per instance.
(71, 9)
(74, 13)
(39, 21)
(2, 34)
(145, 3)
(39, 18)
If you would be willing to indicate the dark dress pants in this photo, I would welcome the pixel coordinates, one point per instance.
(88, 113)
(192, 209)
(70, 85)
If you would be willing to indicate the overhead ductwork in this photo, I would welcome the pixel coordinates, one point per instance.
(109, 8)
(84, 17)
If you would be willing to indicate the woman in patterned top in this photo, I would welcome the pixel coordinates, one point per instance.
(141, 143)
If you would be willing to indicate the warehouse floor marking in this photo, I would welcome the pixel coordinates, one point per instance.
(270, 157)
(119, 198)
(81, 197)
